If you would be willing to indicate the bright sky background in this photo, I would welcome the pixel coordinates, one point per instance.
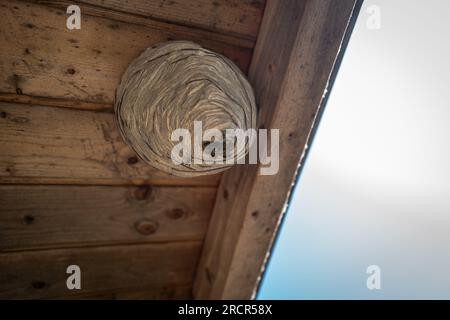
(375, 189)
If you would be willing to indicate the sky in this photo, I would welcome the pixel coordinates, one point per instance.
(375, 188)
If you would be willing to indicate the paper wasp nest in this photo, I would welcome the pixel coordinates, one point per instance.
(172, 85)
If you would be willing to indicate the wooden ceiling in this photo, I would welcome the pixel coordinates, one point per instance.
(71, 191)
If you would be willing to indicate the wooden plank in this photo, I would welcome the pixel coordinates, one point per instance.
(178, 30)
(238, 17)
(55, 102)
(294, 57)
(149, 267)
(151, 293)
(241, 17)
(64, 146)
(61, 216)
(43, 58)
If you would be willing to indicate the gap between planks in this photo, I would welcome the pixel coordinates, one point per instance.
(56, 102)
(63, 246)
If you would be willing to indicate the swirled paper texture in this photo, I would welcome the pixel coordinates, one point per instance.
(173, 84)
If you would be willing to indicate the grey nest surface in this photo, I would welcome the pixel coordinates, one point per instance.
(173, 84)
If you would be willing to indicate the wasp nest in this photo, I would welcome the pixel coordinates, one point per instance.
(176, 85)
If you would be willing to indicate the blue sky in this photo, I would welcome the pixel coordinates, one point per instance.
(375, 187)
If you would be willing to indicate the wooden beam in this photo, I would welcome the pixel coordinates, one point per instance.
(293, 59)
(155, 270)
(47, 145)
(52, 216)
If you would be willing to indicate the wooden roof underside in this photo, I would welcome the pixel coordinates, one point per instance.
(71, 192)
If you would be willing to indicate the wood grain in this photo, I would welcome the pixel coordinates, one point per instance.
(179, 30)
(237, 17)
(158, 269)
(64, 146)
(174, 85)
(294, 57)
(141, 293)
(43, 58)
(55, 102)
(62, 216)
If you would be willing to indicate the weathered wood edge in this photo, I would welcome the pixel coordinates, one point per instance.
(290, 86)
